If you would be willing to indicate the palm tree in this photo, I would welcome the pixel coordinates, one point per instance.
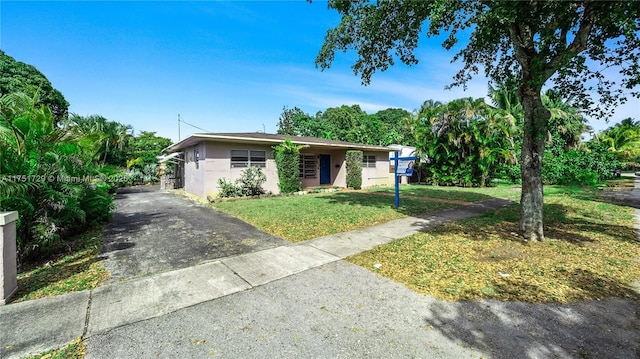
(566, 120)
(110, 137)
(623, 139)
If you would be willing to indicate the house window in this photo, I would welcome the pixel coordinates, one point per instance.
(369, 161)
(247, 158)
(196, 156)
(307, 166)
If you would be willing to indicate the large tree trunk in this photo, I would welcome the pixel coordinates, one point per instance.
(535, 130)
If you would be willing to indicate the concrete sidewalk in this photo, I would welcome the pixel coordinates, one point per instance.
(38, 325)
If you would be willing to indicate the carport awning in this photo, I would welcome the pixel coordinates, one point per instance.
(169, 157)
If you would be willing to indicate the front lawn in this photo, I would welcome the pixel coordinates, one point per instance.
(591, 252)
(467, 194)
(298, 218)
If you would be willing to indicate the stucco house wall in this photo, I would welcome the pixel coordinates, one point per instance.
(378, 175)
(219, 165)
(194, 170)
(208, 157)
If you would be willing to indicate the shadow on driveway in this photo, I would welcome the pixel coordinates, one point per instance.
(154, 231)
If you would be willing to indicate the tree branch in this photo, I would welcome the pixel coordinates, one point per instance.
(578, 44)
(521, 50)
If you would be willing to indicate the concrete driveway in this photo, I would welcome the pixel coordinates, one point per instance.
(155, 231)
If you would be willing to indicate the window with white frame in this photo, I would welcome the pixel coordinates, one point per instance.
(247, 158)
(307, 166)
(368, 161)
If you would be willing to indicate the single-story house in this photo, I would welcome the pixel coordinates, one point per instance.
(210, 156)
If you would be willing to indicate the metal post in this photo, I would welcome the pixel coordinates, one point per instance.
(395, 172)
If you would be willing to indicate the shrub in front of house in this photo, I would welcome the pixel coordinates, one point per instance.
(251, 181)
(249, 184)
(287, 156)
(227, 188)
(354, 169)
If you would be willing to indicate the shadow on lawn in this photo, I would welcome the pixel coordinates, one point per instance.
(438, 192)
(593, 329)
(621, 198)
(408, 205)
(559, 225)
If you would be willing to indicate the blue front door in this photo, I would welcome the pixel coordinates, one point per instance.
(325, 169)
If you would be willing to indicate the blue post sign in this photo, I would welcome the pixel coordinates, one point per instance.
(403, 166)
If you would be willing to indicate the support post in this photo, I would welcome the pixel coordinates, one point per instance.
(8, 260)
(397, 201)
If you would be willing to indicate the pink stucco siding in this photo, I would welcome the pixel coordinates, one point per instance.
(215, 163)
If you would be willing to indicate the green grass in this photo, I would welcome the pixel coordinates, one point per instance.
(74, 350)
(298, 218)
(467, 194)
(78, 270)
(590, 252)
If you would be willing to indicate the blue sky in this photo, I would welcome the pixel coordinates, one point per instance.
(223, 66)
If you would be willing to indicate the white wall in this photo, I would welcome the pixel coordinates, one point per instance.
(378, 176)
(194, 178)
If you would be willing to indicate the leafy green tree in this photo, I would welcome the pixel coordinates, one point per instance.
(147, 146)
(297, 123)
(343, 122)
(16, 76)
(396, 127)
(534, 42)
(287, 123)
(350, 124)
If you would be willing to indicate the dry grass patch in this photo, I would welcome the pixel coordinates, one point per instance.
(591, 252)
(74, 350)
(75, 271)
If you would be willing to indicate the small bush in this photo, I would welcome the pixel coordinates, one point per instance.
(227, 189)
(251, 181)
(150, 173)
(354, 169)
(249, 184)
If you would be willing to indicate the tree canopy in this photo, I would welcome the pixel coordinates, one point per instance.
(350, 124)
(16, 76)
(567, 43)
